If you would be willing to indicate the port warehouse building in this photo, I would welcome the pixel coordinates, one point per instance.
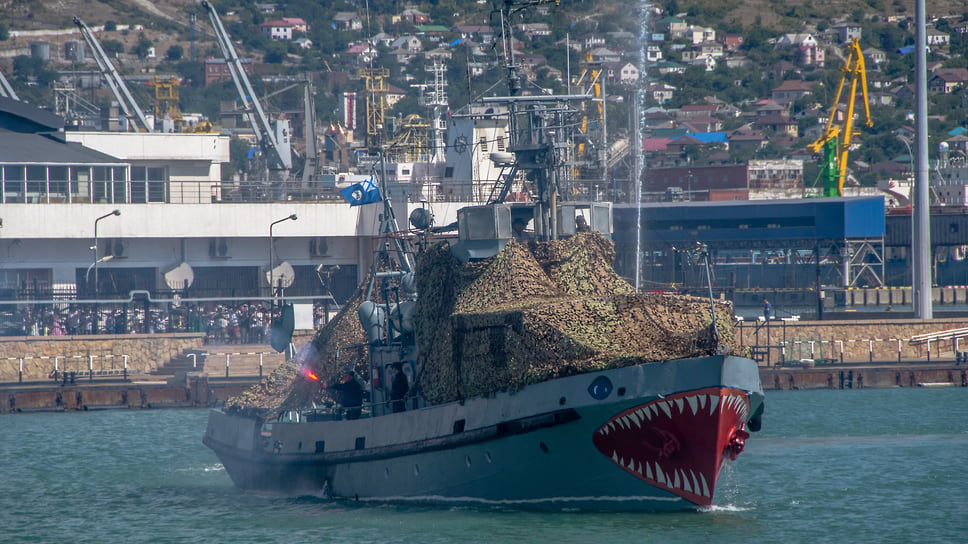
(776, 244)
(58, 187)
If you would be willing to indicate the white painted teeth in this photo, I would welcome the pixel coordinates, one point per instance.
(713, 404)
(694, 403)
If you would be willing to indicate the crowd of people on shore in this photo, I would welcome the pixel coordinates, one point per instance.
(245, 323)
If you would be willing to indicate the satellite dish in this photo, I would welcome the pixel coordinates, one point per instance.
(180, 276)
(282, 274)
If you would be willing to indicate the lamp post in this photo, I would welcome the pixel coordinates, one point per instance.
(271, 278)
(96, 261)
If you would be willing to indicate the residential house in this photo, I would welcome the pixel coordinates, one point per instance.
(783, 70)
(407, 43)
(362, 53)
(478, 33)
(347, 20)
(693, 111)
(703, 124)
(434, 32)
(298, 25)
(847, 32)
(808, 49)
(394, 95)
(603, 55)
(875, 56)
(878, 98)
(534, 30)
(276, 30)
(384, 39)
(698, 34)
(753, 140)
(622, 73)
(414, 16)
(674, 27)
(947, 80)
(790, 91)
(732, 42)
(777, 124)
(933, 36)
(660, 92)
(265, 8)
(217, 70)
(738, 61)
(440, 54)
(653, 53)
(669, 67)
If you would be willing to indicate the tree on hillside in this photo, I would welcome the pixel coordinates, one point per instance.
(174, 53)
(143, 47)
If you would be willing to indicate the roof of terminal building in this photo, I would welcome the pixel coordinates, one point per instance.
(30, 135)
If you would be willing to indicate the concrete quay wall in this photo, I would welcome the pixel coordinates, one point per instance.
(191, 392)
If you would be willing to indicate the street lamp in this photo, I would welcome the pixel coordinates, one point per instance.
(96, 261)
(271, 278)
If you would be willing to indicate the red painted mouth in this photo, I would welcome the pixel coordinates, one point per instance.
(679, 442)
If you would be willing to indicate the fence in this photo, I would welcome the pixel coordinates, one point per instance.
(72, 367)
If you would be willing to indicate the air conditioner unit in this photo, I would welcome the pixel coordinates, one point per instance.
(319, 246)
(218, 248)
(114, 248)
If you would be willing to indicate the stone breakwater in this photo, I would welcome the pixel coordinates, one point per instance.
(850, 340)
(40, 354)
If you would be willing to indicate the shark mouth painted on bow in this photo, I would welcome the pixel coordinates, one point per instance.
(679, 442)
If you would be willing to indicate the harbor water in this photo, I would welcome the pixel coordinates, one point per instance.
(870, 465)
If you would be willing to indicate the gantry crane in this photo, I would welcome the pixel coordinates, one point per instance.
(130, 108)
(275, 138)
(835, 142)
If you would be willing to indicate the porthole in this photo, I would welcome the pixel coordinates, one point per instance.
(621, 391)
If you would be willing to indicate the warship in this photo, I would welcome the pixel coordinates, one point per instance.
(541, 393)
(506, 408)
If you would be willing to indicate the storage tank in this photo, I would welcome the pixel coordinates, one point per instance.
(40, 50)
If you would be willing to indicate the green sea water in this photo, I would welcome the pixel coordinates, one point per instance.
(887, 465)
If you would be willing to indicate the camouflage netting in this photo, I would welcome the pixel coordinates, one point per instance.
(534, 311)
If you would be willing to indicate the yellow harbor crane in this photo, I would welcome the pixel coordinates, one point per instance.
(835, 142)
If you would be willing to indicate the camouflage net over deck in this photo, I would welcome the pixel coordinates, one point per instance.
(533, 312)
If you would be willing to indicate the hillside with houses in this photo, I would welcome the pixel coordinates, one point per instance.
(715, 93)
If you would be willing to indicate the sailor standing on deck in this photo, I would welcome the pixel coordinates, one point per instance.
(350, 395)
(399, 387)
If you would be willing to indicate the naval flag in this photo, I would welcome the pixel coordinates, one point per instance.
(365, 192)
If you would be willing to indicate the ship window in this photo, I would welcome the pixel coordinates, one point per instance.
(320, 446)
(360, 442)
(459, 426)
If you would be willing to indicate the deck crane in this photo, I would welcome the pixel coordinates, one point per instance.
(132, 112)
(274, 138)
(834, 142)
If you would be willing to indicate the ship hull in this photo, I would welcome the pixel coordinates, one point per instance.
(648, 437)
